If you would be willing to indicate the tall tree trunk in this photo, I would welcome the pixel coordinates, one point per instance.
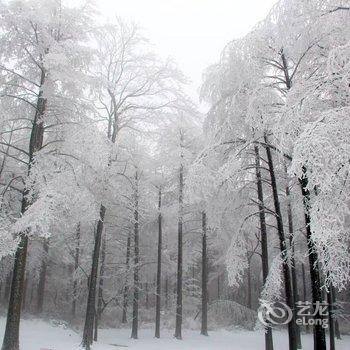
(193, 281)
(249, 286)
(304, 282)
(307, 328)
(292, 263)
(25, 289)
(159, 265)
(336, 322)
(11, 336)
(218, 287)
(330, 320)
(76, 265)
(167, 292)
(263, 238)
(204, 323)
(100, 287)
(31, 295)
(126, 286)
(283, 248)
(112, 133)
(135, 305)
(42, 279)
(90, 307)
(146, 295)
(178, 321)
(7, 287)
(319, 332)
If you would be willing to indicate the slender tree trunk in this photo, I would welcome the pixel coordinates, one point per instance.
(159, 265)
(135, 305)
(304, 282)
(25, 289)
(331, 320)
(178, 321)
(95, 325)
(90, 307)
(147, 295)
(100, 288)
(249, 287)
(42, 279)
(166, 292)
(31, 295)
(7, 287)
(11, 336)
(113, 128)
(336, 322)
(126, 286)
(304, 292)
(204, 324)
(319, 332)
(263, 238)
(337, 329)
(218, 288)
(193, 284)
(293, 265)
(76, 265)
(283, 248)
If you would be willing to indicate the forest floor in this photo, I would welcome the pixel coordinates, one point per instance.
(40, 335)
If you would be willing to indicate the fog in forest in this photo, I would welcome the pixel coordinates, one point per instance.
(174, 174)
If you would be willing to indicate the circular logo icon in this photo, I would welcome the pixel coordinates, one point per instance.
(274, 313)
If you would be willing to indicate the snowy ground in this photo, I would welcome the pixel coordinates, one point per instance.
(39, 335)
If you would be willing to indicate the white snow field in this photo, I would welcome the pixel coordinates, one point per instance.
(40, 335)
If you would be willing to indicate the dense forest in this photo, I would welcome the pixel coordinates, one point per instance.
(125, 206)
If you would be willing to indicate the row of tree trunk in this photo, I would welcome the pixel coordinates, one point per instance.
(93, 315)
(287, 254)
(11, 336)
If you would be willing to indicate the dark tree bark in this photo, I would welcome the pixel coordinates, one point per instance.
(249, 287)
(112, 133)
(178, 320)
(283, 248)
(113, 129)
(166, 292)
(76, 265)
(11, 341)
(99, 310)
(304, 291)
(25, 289)
(146, 295)
(263, 238)
(159, 265)
(90, 307)
(7, 287)
(218, 288)
(193, 268)
(31, 294)
(304, 282)
(292, 264)
(319, 332)
(126, 286)
(135, 305)
(204, 323)
(42, 279)
(11, 336)
(331, 320)
(336, 322)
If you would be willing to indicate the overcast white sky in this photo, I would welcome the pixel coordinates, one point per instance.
(192, 32)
